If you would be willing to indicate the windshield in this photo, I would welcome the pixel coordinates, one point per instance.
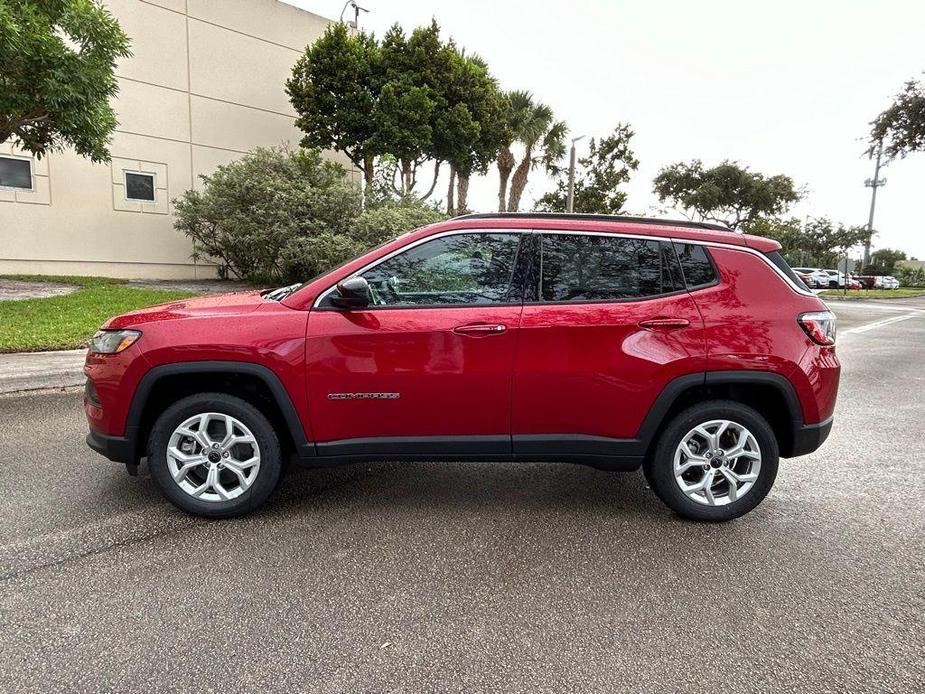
(282, 292)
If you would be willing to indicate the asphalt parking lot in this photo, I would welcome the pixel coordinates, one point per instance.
(479, 577)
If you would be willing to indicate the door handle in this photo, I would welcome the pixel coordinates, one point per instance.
(664, 323)
(480, 329)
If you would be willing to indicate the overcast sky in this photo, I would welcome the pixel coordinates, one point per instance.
(784, 87)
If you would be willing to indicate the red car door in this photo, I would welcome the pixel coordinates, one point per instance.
(612, 325)
(426, 367)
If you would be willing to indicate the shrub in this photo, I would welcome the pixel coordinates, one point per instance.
(278, 216)
(390, 219)
(911, 277)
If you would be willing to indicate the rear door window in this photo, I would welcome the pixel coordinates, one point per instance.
(697, 266)
(591, 268)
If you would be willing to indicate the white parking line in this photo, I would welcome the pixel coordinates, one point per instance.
(880, 323)
(868, 305)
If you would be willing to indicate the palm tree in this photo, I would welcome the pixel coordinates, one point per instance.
(520, 104)
(544, 143)
(543, 139)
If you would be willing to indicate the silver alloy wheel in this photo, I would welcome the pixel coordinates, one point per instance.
(717, 462)
(213, 457)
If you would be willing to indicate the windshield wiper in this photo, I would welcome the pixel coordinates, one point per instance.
(282, 292)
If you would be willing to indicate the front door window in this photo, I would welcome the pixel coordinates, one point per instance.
(459, 269)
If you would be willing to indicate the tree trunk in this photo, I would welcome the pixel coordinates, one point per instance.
(519, 181)
(505, 165)
(405, 177)
(433, 183)
(450, 204)
(368, 169)
(462, 194)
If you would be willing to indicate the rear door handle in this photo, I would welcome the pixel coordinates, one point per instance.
(664, 323)
(480, 329)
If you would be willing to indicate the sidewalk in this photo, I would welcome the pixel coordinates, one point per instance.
(32, 370)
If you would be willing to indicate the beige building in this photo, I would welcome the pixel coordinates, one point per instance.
(204, 86)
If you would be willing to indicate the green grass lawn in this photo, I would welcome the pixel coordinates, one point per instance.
(860, 294)
(69, 321)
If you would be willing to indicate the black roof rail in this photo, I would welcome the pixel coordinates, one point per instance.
(598, 218)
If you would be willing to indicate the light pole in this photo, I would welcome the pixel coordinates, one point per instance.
(873, 184)
(355, 24)
(570, 203)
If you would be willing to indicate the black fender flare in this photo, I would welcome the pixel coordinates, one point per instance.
(133, 422)
(671, 392)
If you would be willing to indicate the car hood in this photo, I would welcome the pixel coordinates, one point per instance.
(237, 303)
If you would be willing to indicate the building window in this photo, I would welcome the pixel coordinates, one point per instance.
(139, 186)
(15, 173)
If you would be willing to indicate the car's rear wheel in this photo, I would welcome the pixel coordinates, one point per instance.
(715, 461)
(214, 455)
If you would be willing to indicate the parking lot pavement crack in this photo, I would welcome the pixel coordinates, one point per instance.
(73, 544)
(52, 549)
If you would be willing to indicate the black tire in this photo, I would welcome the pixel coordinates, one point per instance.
(270, 457)
(659, 472)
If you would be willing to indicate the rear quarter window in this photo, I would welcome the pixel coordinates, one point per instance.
(781, 264)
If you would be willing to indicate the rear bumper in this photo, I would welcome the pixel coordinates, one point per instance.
(808, 437)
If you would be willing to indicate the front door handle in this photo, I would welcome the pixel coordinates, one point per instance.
(664, 323)
(480, 329)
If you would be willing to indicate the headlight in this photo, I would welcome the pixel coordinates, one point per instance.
(113, 341)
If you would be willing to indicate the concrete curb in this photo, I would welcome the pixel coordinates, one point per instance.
(41, 370)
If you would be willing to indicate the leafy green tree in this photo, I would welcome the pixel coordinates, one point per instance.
(334, 88)
(883, 261)
(533, 124)
(57, 62)
(789, 233)
(818, 243)
(411, 69)
(727, 193)
(829, 242)
(474, 129)
(276, 216)
(409, 99)
(600, 174)
(901, 127)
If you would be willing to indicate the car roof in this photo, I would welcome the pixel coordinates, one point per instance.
(705, 232)
(637, 226)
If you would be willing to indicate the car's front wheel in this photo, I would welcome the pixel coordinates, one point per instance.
(214, 455)
(715, 461)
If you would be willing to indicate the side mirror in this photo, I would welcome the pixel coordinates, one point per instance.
(351, 293)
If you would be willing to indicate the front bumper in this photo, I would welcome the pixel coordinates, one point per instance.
(119, 449)
(808, 437)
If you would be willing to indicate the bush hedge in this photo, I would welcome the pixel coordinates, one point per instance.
(278, 216)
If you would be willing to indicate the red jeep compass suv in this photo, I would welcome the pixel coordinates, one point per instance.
(684, 348)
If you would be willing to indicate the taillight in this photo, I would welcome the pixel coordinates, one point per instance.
(820, 326)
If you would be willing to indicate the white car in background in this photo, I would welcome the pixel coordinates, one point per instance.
(836, 278)
(886, 282)
(819, 279)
